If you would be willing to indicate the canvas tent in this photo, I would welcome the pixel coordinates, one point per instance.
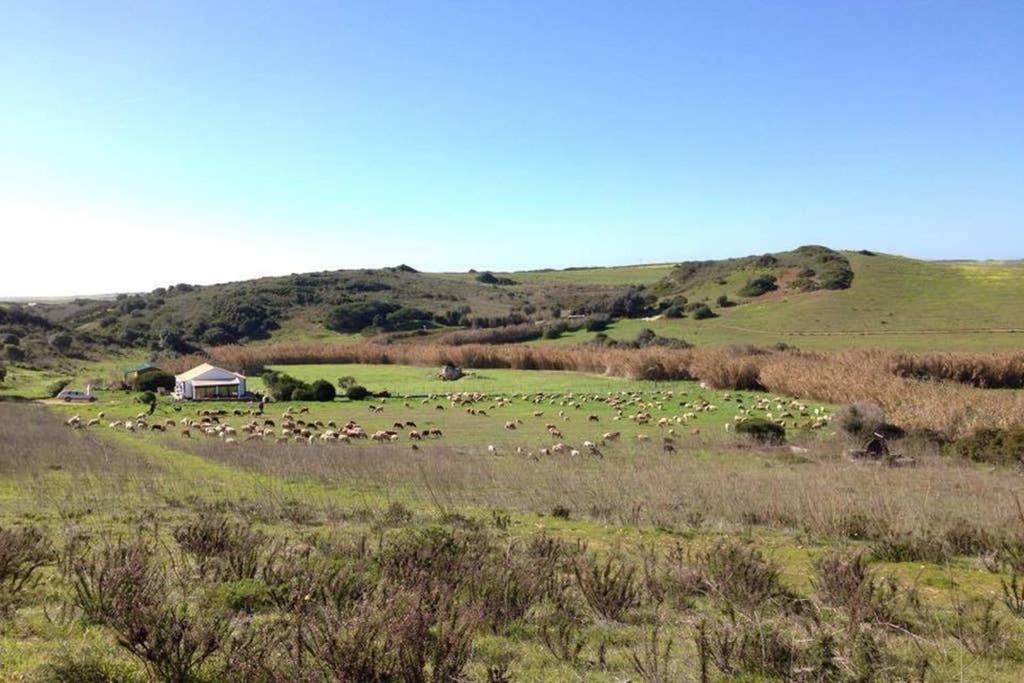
(207, 382)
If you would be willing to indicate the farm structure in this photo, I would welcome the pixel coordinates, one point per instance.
(209, 382)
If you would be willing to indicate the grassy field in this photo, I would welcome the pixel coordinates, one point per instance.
(640, 543)
(894, 302)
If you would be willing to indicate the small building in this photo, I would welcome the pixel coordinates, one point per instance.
(207, 381)
(132, 373)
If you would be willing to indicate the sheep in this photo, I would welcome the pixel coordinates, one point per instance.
(415, 435)
(115, 424)
(642, 437)
(510, 425)
(593, 418)
(611, 436)
(574, 453)
(492, 450)
(93, 422)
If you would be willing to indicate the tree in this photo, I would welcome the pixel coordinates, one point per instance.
(323, 391)
(153, 379)
(61, 341)
(356, 392)
(3, 373)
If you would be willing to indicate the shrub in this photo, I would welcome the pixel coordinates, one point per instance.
(673, 312)
(323, 391)
(14, 353)
(489, 278)
(9, 338)
(61, 341)
(222, 549)
(859, 420)
(996, 446)
(702, 312)
(354, 317)
(739, 574)
(356, 392)
(762, 431)
(3, 373)
(597, 324)
(284, 387)
(22, 553)
(56, 387)
(146, 398)
(609, 587)
(153, 379)
(756, 286)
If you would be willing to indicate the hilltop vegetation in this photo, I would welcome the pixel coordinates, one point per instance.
(811, 297)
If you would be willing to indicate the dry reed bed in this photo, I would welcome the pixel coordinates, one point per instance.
(951, 402)
(631, 486)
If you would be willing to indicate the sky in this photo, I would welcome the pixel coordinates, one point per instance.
(144, 144)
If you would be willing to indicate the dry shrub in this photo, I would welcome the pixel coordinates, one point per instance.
(22, 553)
(609, 586)
(844, 581)
(123, 586)
(223, 549)
(740, 575)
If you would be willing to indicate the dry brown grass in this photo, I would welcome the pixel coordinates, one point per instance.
(950, 402)
(825, 495)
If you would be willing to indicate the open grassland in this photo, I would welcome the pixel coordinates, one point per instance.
(328, 561)
(940, 392)
(893, 302)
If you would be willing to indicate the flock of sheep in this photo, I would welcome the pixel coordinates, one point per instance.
(637, 407)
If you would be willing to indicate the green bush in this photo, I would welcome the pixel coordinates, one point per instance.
(14, 353)
(61, 341)
(153, 379)
(597, 324)
(673, 312)
(9, 338)
(762, 431)
(356, 392)
(323, 391)
(285, 387)
(756, 286)
(3, 373)
(702, 312)
(723, 301)
(245, 595)
(56, 387)
(146, 398)
(996, 446)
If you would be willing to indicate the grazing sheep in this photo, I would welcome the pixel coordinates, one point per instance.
(492, 450)
(593, 418)
(642, 437)
(510, 425)
(93, 422)
(611, 436)
(187, 433)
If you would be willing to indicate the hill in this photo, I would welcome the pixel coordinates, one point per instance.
(810, 297)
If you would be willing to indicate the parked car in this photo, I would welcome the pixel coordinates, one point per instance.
(69, 395)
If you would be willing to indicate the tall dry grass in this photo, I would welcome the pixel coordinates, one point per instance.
(822, 495)
(950, 401)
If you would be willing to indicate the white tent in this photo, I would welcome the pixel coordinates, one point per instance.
(207, 381)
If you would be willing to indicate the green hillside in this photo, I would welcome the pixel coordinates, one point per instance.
(810, 297)
(893, 302)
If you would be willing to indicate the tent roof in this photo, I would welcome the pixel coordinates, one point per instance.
(208, 372)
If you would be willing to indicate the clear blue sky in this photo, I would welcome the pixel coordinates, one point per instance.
(296, 136)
